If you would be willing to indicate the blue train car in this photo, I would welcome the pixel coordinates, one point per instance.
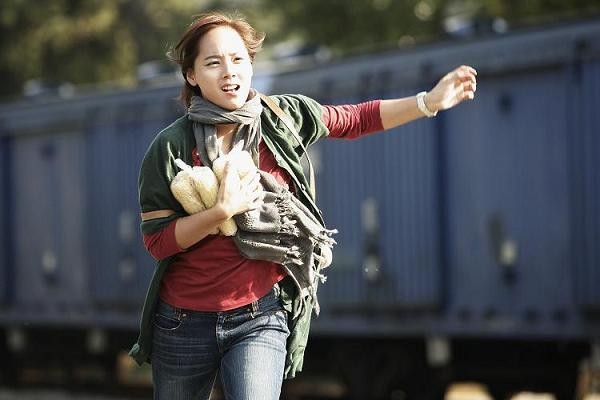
(486, 214)
(463, 239)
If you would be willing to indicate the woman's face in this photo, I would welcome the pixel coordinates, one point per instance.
(222, 70)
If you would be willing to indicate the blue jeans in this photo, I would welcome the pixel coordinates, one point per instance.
(247, 345)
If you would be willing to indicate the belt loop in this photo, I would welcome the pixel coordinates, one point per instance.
(253, 308)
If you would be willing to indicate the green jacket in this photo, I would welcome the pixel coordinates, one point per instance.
(158, 169)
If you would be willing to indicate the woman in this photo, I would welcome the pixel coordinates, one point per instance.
(216, 304)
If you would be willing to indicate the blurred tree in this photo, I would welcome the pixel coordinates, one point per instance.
(356, 25)
(91, 41)
(85, 41)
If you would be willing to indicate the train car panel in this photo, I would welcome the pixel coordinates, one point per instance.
(5, 216)
(410, 216)
(586, 183)
(387, 254)
(117, 142)
(50, 265)
(508, 198)
(114, 272)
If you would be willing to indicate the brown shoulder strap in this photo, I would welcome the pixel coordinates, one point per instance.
(290, 125)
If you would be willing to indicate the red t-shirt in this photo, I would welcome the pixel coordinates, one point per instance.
(212, 275)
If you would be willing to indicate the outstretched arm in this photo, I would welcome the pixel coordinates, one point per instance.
(456, 86)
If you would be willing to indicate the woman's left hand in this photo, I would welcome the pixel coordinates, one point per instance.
(456, 86)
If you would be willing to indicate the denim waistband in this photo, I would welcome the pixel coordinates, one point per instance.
(271, 296)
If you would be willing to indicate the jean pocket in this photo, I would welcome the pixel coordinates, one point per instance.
(282, 318)
(166, 323)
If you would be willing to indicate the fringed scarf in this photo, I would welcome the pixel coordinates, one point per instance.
(282, 229)
(205, 115)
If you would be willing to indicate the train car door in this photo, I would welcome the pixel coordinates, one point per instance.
(118, 139)
(48, 203)
(508, 215)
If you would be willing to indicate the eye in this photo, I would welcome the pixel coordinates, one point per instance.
(211, 63)
(238, 59)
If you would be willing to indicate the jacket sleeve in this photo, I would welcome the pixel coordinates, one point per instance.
(156, 173)
(306, 114)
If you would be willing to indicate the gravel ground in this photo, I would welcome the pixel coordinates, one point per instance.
(50, 394)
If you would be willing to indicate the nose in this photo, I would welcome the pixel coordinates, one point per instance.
(229, 69)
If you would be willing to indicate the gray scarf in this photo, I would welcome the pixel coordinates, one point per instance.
(205, 115)
(282, 229)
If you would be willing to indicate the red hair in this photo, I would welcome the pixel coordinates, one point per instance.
(185, 52)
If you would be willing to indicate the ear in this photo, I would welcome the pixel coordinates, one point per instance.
(189, 76)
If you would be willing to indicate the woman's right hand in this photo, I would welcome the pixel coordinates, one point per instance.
(237, 196)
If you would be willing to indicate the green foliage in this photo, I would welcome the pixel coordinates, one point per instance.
(85, 41)
(357, 25)
(93, 41)
(353, 25)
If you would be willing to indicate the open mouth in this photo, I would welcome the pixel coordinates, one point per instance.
(230, 88)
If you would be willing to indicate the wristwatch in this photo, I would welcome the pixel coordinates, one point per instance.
(423, 107)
